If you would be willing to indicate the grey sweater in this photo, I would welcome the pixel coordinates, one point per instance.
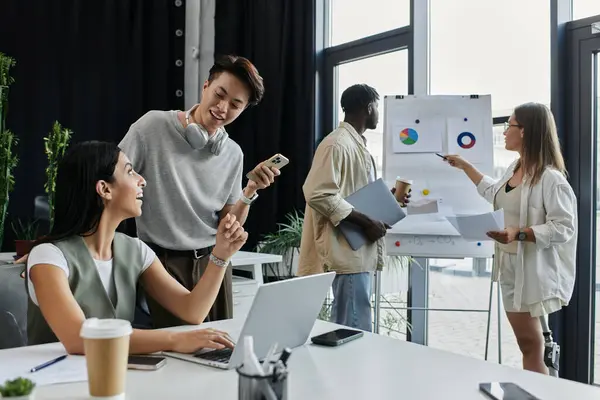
(186, 188)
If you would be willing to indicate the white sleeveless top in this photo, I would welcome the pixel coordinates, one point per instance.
(511, 203)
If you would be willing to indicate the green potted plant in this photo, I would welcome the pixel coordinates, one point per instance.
(284, 242)
(25, 235)
(8, 141)
(55, 145)
(18, 389)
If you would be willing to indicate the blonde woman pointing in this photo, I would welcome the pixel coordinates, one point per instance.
(534, 257)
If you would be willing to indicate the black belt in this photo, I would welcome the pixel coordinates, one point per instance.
(197, 253)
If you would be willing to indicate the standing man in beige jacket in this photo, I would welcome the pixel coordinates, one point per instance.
(342, 165)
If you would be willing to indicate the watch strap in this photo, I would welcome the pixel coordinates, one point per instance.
(250, 200)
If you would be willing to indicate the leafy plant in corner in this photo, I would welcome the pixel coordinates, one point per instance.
(55, 145)
(20, 387)
(284, 242)
(8, 142)
(25, 230)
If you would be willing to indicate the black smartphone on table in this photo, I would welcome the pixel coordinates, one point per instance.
(337, 337)
(146, 363)
(505, 391)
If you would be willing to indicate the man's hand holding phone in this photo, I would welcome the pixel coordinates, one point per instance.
(263, 175)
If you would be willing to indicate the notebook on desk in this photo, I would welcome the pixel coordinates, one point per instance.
(376, 201)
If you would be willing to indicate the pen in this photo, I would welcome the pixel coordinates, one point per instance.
(48, 363)
(439, 155)
(267, 361)
(285, 354)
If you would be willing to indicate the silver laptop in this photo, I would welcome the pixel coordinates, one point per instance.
(282, 312)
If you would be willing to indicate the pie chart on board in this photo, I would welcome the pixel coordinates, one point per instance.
(466, 140)
(409, 136)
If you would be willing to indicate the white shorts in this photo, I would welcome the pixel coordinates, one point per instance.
(508, 262)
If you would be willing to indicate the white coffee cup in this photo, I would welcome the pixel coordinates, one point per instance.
(106, 345)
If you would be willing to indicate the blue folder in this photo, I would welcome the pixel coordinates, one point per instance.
(376, 201)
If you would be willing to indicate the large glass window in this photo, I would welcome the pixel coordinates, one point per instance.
(597, 291)
(458, 284)
(388, 74)
(500, 48)
(453, 284)
(502, 157)
(585, 8)
(356, 19)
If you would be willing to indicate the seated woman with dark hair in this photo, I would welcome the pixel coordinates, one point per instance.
(84, 268)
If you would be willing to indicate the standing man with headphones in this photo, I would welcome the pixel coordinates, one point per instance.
(194, 173)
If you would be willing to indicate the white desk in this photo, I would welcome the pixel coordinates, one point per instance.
(373, 367)
(253, 262)
(243, 260)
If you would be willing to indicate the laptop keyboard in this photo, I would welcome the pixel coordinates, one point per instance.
(222, 355)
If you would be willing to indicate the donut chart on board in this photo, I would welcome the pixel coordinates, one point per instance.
(466, 140)
(409, 136)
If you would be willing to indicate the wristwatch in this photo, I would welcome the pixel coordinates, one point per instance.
(521, 236)
(216, 260)
(250, 200)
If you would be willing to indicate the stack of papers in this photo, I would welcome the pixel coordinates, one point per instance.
(474, 228)
(424, 206)
(71, 369)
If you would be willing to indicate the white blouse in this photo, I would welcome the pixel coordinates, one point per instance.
(546, 268)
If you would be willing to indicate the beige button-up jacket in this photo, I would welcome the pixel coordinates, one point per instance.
(340, 167)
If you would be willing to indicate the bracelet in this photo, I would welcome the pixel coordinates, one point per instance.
(216, 260)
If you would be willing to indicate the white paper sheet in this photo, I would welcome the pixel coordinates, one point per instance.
(423, 206)
(415, 225)
(465, 138)
(71, 369)
(474, 228)
(422, 137)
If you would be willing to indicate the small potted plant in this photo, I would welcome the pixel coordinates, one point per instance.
(26, 233)
(284, 242)
(18, 389)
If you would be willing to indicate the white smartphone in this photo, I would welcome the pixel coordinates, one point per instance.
(146, 363)
(278, 161)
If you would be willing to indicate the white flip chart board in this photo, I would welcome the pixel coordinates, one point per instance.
(417, 127)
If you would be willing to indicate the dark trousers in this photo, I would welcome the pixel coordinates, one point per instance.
(187, 270)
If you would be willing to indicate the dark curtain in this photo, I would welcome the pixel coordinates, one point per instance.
(95, 66)
(278, 36)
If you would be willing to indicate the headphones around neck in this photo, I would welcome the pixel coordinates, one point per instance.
(198, 137)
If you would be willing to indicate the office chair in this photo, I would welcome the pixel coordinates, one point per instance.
(10, 335)
(41, 208)
(13, 307)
